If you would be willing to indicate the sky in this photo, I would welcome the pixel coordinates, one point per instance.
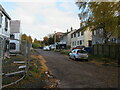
(42, 17)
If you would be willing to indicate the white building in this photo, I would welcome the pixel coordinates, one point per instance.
(80, 38)
(66, 38)
(4, 31)
(15, 36)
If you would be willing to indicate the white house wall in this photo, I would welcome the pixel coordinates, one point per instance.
(84, 39)
(87, 37)
(17, 36)
(69, 38)
(2, 28)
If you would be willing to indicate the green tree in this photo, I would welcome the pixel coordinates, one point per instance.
(45, 40)
(102, 15)
(50, 40)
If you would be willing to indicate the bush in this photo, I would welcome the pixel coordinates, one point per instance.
(35, 45)
(66, 52)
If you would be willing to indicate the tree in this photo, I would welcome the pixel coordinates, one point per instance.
(50, 40)
(36, 43)
(25, 37)
(102, 15)
(30, 39)
(46, 40)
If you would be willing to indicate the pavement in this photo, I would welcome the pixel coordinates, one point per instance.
(77, 74)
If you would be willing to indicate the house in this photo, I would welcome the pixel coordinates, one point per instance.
(15, 36)
(98, 38)
(66, 38)
(4, 31)
(81, 38)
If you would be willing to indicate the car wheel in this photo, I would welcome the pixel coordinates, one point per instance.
(69, 57)
(75, 58)
(86, 59)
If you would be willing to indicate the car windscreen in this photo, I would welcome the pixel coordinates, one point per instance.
(81, 51)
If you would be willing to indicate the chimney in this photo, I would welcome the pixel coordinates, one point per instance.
(67, 30)
(71, 28)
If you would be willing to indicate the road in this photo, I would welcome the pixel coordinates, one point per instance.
(76, 74)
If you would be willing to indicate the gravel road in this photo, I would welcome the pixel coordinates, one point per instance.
(76, 74)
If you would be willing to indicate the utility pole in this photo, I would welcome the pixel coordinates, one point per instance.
(55, 39)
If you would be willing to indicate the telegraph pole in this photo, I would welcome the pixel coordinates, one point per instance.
(55, 39)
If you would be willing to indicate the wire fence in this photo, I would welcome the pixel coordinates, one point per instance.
(1, 57)
(21, 67)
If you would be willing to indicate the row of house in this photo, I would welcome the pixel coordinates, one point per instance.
(9, 32)
(87, 38)
(77, 37)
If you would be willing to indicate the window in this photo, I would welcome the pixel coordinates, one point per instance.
(6, 24)
(77, 42)
(78, 34)
(82, 33)
(0, 19)
(74, 34)
(12, 36)
(94, 32)
(80, 42)
(12, 46)
(72, 43)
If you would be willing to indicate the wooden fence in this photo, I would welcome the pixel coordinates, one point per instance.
(112, 51)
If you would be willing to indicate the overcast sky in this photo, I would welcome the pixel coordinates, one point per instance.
(40, 18)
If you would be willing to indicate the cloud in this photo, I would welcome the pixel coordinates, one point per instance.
(43, 18)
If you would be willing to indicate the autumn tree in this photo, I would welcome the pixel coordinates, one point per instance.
(27, 38)
(102, 15)
(24, 37)
(30, 39)
(45, 39)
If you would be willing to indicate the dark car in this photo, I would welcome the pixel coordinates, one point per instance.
(78, 47)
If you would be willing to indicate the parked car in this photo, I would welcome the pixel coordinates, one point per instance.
(78, 54)
(46, 48)
(52, 47)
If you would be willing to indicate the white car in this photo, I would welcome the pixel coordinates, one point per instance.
(46, 48)
(78, 54)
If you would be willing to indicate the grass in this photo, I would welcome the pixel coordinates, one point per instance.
(36, 71)
(66, 52)
(102, 60)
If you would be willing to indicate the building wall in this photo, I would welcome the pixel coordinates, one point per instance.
(87, 37)
(5, 30)
(97, 37)
(81, 40)
(15, 35)
(69, 37)
(17, 43)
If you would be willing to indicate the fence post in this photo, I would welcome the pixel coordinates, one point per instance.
(102, 50)
(1, 57)
(109, 50)
(93, 49)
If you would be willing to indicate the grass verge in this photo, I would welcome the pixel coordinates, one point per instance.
(100, 60)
